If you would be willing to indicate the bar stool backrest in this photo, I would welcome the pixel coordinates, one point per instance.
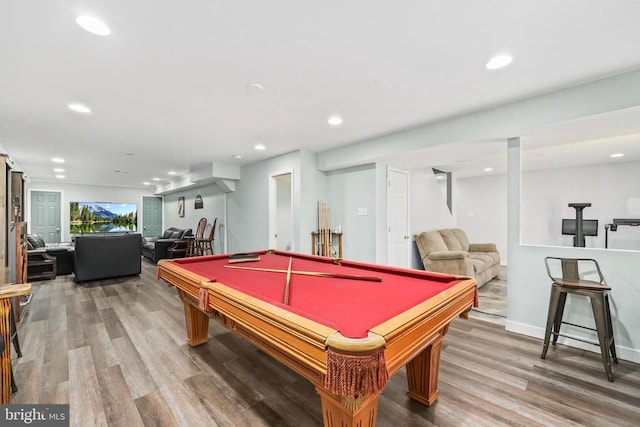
(570, 269)
(573, 269)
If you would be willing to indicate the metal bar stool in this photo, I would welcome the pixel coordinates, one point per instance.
(571, 281)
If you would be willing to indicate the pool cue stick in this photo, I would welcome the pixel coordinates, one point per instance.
(286, 286)
(321, 230)
(311, 273)
(321, 250)
(329, 237)
(326, 230)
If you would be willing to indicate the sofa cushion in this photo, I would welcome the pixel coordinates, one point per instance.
(35, 241)
(462, 238)
(481, 261)
(167, 233)
(430, 241)
(450, 240)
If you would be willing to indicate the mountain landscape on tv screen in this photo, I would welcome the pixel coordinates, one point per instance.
(97, 217)
(98, 211)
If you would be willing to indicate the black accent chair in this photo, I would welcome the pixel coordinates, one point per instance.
(172, 244)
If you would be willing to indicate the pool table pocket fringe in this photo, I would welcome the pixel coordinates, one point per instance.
(354, 376)
(203, 300)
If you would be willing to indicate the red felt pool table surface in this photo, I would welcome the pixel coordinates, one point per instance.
(350, 306)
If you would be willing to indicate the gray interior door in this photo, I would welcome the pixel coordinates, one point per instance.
(45, 215)
(152, 216)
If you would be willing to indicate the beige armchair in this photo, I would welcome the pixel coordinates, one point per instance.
(449, 251)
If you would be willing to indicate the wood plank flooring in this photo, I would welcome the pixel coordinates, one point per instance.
(115, 351)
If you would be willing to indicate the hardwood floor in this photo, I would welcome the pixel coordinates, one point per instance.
(115, 351)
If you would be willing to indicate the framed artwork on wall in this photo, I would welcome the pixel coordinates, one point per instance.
(181, 207)
(198, 202)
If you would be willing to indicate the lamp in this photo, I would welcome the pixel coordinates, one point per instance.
(16, 209)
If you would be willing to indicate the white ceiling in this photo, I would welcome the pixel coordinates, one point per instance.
(169, 87)
(586, 141)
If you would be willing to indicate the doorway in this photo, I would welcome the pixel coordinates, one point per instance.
(46, 207)
(281, 211)
(398, 242)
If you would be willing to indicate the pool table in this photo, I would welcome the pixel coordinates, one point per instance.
(346, 326)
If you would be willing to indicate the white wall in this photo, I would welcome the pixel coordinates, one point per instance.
(248, 206)
(310, 187)
(427, 208)
(350, 190)
(481, 204)
(213, 207)
(612, 190)
(84, 193)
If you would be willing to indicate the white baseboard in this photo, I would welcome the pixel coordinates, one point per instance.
(623, 353)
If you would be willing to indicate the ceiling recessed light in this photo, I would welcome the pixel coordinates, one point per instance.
(155, 179)
(255, 88)
(146, 183)
(60, 176)
(335, 120)
(172, 173)
(57, 160)
(59, 170)
(259, 147)
(614, 155)
(237, 156)
(499, 61)
(80, 108)
(487, 169)
(93, 25)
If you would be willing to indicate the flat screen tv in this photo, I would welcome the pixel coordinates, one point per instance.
(102, 217)
(589, 227)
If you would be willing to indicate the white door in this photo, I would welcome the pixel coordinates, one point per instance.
(398, 241)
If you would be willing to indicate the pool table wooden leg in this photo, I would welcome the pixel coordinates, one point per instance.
(197, 322)
(336, 413)
(422, 371)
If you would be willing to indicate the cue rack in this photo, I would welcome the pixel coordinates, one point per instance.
(322, 240)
